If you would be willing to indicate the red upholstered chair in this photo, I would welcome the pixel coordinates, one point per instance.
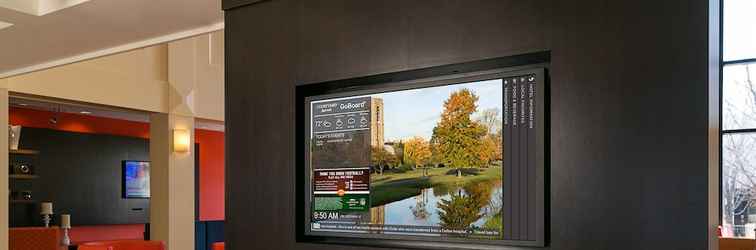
(35, 238)
(94, 247)
(219, 246)
(123, 245)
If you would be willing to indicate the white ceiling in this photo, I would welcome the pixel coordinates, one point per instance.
(97, 25)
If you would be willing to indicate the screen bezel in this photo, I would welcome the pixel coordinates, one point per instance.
(348, 88)
(124, 192)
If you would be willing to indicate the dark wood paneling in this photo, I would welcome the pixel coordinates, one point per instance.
(628, 104)
(81, 174)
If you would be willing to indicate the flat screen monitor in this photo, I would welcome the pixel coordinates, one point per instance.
(136, 179)
(452, 161)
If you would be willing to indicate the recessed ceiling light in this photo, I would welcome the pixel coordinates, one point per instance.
(85, 112)
(4, 25)
(39, 7)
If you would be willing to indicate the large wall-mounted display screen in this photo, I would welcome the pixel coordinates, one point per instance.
(457, 159)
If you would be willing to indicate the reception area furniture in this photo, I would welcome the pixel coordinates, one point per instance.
(123, 245)
(219, 246)
(35, 238)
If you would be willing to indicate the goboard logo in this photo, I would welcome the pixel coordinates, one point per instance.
(350, 105)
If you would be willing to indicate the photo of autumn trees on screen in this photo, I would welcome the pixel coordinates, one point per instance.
(450, 179)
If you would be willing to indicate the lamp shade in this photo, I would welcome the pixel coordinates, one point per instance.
(65, 221)
(46, 208)
(181, 140)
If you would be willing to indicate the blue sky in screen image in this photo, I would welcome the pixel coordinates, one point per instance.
(410, 113)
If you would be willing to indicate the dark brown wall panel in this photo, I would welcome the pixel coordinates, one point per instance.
(628, 104)
(81, 174)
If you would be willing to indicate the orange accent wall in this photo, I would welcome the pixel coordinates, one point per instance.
(211, 173)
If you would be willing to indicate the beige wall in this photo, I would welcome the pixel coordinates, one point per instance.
(210, 76)
(138, 79)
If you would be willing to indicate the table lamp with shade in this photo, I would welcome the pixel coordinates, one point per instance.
(46, 211)
(65, 224)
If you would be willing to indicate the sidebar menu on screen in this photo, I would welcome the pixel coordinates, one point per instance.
(520, 147)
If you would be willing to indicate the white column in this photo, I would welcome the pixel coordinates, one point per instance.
(172, 176)
(4, 185)
(171, 183)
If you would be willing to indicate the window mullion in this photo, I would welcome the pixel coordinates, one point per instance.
(741, 61)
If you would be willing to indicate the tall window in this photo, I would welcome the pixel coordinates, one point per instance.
(738, 135)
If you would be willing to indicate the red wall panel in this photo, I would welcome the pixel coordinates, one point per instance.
(78, 123)
(211, 173)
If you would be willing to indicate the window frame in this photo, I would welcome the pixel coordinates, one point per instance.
(723, 132)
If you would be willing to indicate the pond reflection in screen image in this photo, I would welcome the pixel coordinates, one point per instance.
(475, 205)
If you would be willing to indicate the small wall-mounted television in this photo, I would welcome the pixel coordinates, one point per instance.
(136, 179)
(441, 158)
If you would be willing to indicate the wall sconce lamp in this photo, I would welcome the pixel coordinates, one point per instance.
(181, 140)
